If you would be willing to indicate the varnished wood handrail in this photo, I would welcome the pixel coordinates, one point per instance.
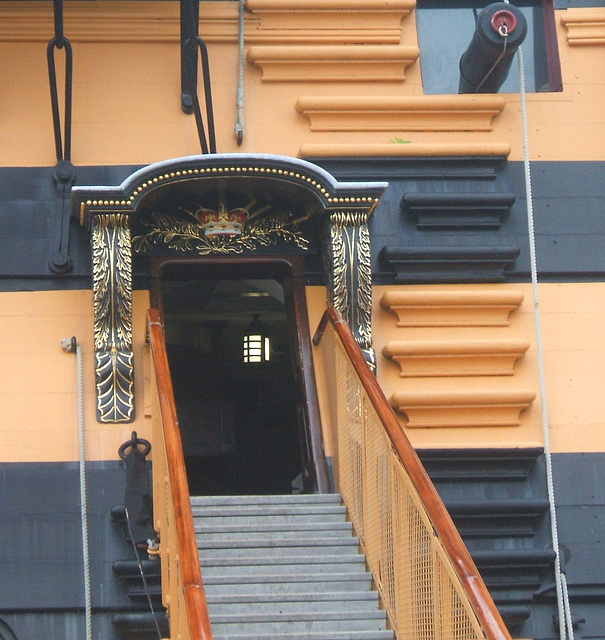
(195, 597)
(482, 602)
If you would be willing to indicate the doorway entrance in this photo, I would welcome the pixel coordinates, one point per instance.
(242, 423)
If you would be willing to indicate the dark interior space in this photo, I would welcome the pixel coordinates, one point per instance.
(239, 421)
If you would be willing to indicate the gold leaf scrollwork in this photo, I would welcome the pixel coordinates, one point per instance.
(351, 271)
(187, 234)
(112, 300)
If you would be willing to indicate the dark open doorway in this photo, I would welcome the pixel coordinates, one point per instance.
(242, 424)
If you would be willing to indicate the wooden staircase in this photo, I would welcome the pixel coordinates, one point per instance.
(277, 567)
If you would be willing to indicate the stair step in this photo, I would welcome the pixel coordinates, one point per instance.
(286, 584)
(294, 602)
(353, 563)
(288, 500)
(310, 635)
(228, 548)
(284, 567)
(217, 532)
(303, 596)
(259, 515)
(297, 622)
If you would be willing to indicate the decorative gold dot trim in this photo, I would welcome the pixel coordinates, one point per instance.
(234, 169)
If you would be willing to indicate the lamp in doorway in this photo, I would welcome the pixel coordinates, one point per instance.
(257, 346)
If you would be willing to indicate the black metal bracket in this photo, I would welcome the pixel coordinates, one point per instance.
(191, 43)
(190, 19)
(64, 174)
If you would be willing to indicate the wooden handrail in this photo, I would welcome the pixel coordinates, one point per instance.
(482, 602)
(199, 621)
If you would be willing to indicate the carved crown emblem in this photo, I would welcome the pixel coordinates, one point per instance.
(222, 222)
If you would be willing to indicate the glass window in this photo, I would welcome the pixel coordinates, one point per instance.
(446, 27)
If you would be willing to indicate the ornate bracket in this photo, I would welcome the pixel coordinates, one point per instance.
(350, 274)
(112, 295)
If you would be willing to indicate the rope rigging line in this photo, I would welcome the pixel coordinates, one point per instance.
(70, 345)
(565, 617)
(503, 31)
(239, 123)
(142, 574)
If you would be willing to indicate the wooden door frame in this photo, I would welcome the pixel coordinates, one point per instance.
(289, 271)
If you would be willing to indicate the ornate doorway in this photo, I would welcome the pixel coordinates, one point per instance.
(236, 206)
(245, 425)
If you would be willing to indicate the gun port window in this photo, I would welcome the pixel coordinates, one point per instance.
(446, 28)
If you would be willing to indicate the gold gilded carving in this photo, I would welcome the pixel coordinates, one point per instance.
(351, 273)
(112, 298)
(189, 233)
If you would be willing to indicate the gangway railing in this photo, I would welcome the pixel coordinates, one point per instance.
(182, 587)
(429, 585)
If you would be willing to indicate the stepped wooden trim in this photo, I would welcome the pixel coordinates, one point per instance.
(332, 63)
(452, 308)
(398, 113)
(463, 565)
(133, 21)
(441, 358)
(404, 150)
(475, 408)
(329, 21)
(584, 26)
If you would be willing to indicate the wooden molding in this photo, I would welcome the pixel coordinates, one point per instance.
(398, 113)
(332, 63)
(445, 358)
(482, 408)
(131, 21)
(404, 150)
(452, 308)
(584, 26)
(329, 21)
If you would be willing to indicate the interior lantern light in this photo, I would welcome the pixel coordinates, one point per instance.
(257, 347)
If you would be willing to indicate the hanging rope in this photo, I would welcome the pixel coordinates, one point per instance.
(503, 31)
(565, 618)
(70, 345)
(239, 124)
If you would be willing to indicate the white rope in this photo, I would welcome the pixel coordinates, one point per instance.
(565, 619)
(71, 346)
(239, 123)
(84, 499)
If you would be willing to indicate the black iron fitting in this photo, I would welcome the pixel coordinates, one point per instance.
(64, 174)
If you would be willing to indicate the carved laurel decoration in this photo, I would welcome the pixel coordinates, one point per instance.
(112, 288)
(115, 385)
(339, 288)
(364, 286)
(187, 234)
(351, 270)
(112, 299)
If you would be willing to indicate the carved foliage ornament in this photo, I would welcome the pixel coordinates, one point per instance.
(112, 296)
(205, 231)
(351, 286)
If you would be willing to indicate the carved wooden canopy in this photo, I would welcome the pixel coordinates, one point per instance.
(216, 204)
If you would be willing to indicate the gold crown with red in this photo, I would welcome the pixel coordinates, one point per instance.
(222, 222)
